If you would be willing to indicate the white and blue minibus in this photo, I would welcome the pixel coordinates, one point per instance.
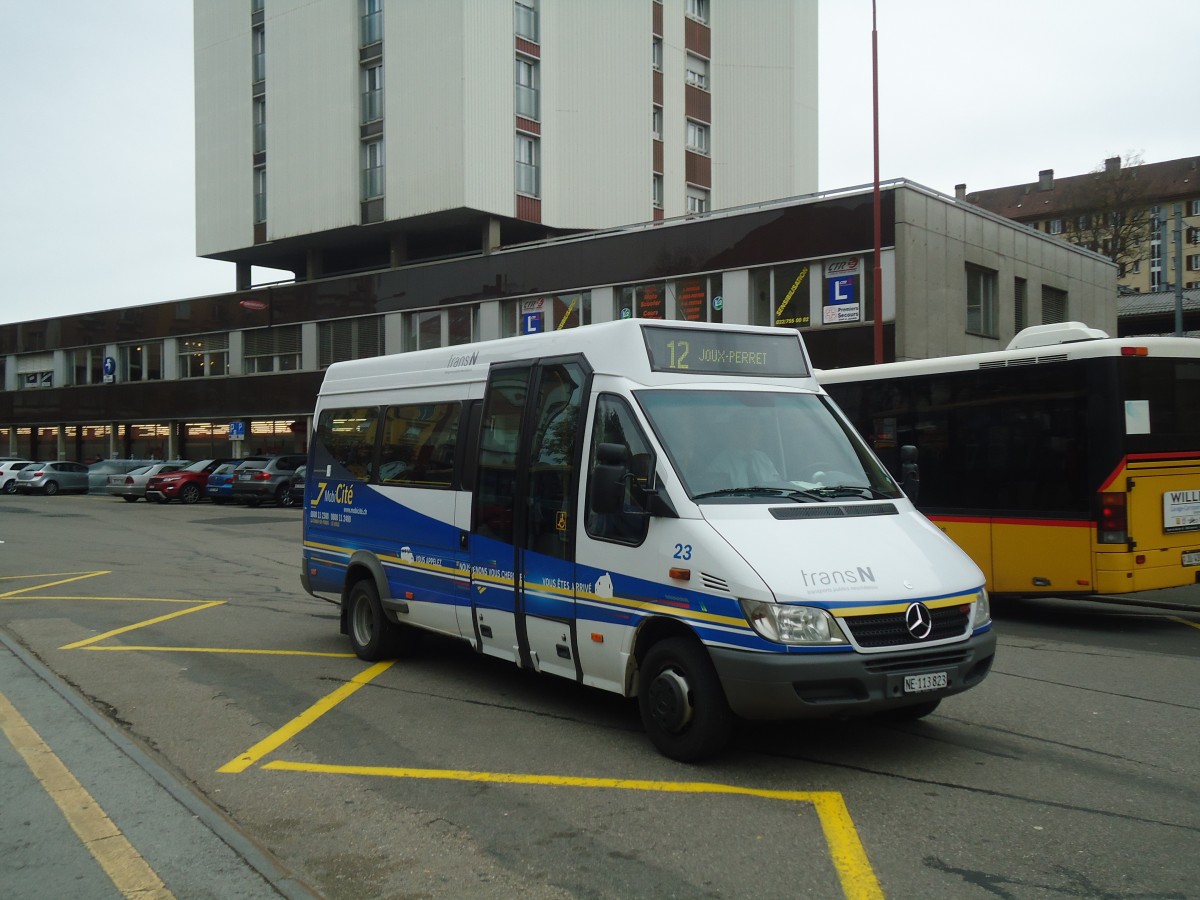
(672, 511)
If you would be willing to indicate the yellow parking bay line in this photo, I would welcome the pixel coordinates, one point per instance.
(130, 874)
(302, 721)
(124, 630)
(63, 578)
(846, 850)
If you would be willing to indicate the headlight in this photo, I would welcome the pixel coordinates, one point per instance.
(792, 624)
(983, 609)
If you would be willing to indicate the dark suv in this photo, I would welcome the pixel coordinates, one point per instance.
(257, 481)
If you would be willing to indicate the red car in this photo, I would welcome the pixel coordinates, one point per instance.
(186, 485)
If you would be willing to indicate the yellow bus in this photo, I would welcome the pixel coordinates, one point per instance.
(1067, 464)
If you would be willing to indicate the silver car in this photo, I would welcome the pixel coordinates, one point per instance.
(53, 477)
(132, 487)
(98, 472)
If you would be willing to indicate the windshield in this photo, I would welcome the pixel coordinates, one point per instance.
(728, 443)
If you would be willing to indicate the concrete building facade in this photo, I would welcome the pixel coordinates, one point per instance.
(169, 379)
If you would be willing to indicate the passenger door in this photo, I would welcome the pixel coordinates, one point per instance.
(524, 514)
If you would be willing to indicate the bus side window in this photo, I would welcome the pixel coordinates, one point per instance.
(616, 424)
(419, 442)
(348, 435)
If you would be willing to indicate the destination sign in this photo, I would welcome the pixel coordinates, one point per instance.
(699, 351)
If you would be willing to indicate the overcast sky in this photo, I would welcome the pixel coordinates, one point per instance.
(97, 208)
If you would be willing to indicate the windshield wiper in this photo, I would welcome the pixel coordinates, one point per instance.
(790, 493)
(850, 490)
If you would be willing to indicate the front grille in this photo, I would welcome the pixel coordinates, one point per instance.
(889, 630)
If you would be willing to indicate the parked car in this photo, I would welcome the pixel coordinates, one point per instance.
(187, 484)
(8, 473)
(53, 477)
(220, 483)
(132, 487)
(266, 480)
(296, 486)
(99, 471)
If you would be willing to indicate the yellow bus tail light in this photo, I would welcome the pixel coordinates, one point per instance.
(1113, 525)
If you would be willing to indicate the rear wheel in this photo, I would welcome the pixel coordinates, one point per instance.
(681, 701)
(10, 486)
(283, 496)
(50, 489)
(189, 493)
(371, 635)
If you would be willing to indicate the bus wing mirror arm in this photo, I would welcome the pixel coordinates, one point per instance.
(609, 479)
(910, 474)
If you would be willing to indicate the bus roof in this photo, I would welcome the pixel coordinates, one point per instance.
(1184, 348)
(633, 348)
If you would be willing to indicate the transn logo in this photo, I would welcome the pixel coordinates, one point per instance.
(320, 490)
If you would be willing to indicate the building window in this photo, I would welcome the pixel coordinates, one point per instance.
(981, 301)
(1193, 207)
(656, 122)
(204, 355)
(260, 195)
(696, 71)
(698, 9)
(140, 362)
(86, 365)
(525, 21)
(372, 95)
(1054, 305)
(527, 165)
(35, 370)
(1055, 226)
(1193, 262)
(1020, 300)
(440, 327)
(260, 125)
(372, 172)
(554, 312)
(275, 349)
(656, 53)
(697, 137)
(527, 88)
(372, 22)
(697, 200)
(657, 192)
(345, 339)
(258, 50)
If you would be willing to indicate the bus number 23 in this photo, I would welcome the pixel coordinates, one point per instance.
(683, 551)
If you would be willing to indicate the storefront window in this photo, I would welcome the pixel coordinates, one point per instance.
(556, 312)
(642, 301)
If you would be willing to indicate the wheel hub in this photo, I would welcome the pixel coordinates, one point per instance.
(669, 700)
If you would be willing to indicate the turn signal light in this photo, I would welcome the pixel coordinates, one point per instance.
(1113, 526)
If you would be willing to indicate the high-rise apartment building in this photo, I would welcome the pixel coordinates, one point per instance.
(340, 135)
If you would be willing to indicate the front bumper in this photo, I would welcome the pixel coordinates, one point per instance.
(779, 686)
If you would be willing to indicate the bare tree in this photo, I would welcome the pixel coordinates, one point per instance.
(1108, 211)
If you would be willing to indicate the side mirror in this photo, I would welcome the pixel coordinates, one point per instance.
(910, 474)
(608, 478)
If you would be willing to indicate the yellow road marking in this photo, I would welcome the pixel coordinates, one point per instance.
(846, 850)
(74, 576)
(130, 874)
(302, 721)
(231, 650)
(1185, 622)
(183, 612)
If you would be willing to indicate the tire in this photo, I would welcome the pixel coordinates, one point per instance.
(189, 493)
(129, 499)
(681, 701)
(50, 488)
(371, 635)
(10, 486)
(283, 496)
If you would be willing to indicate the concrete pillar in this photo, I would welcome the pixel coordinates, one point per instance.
(491, 235)
(242, 278)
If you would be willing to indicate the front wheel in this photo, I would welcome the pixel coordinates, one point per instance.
(189, 493)
(681, 701)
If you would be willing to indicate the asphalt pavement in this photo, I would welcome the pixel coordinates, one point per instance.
(86, 812)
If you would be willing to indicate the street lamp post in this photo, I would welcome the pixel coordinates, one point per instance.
(877, 280)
